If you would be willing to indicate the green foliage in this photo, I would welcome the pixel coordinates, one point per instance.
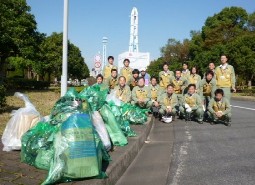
(2, 95)
(25, 84)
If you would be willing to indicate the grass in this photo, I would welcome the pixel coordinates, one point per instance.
(42, 100)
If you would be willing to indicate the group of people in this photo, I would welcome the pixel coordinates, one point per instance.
(182, 92)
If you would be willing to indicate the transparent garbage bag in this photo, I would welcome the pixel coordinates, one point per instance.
(21, 121)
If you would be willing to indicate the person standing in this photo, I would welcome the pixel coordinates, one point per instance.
(141, 95)
(225, 77)
(107, 69)
(211, 67)
(185, 70)
(164, 76)
(168, 102)
(194, 78)
(122, 91)
(146, 76)
(126, 71)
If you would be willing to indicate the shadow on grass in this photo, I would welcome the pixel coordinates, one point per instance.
(8, 109)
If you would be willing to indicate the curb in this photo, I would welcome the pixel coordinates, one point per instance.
(125, 156)
(243, 98)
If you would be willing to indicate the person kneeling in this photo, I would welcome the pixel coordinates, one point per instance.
(168, 102)
(192, 105)
(141, 95)
(219, 108)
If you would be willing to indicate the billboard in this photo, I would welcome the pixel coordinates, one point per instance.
(137, 60)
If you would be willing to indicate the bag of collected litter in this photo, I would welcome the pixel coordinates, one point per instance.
(38, 140)
(94, 96)
(124, 124)
(21, 121)
(113, 128)
(133, 114)
(112, 98)
(101, 129)
(77, 152)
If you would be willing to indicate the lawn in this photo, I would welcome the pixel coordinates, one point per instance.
(43, 101)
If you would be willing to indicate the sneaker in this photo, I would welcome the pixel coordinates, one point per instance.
(200, 122)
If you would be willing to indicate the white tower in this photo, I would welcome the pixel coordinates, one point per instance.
(105, 41)
(133, 43)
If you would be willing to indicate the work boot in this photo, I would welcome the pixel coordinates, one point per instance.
(200, 122)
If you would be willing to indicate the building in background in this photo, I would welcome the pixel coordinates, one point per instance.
(137, 59)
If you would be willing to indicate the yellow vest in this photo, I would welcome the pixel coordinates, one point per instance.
(164, 79)
(177, 86)
(127, 73)
(193, 79)
(190, 100)
(219, 106)
(223, 77)
(207, 89)
(113, 83)
(168, 101)
(122, 94)
(154, 93)
(141, 94)
(107, 70)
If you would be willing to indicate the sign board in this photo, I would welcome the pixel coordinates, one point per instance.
(97, 61)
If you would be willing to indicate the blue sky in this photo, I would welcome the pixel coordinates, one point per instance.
(159, 20)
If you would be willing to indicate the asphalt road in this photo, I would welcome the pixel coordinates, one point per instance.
(199, 154)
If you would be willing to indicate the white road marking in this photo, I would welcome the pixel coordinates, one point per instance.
(247, 108)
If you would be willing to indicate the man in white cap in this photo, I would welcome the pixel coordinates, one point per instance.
(145, 75)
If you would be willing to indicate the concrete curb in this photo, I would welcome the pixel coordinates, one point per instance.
(125, 156)
(243, 98)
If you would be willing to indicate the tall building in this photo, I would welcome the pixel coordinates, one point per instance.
(137, 59)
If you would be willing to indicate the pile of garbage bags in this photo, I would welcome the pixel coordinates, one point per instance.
(74, 140)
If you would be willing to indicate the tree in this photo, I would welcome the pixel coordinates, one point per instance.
(18, 33)
(51, 58)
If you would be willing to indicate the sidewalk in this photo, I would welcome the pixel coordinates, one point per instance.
(13, 172)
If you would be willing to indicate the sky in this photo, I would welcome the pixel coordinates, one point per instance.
(159, 20)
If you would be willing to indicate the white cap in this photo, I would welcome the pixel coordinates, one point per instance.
(167, 119)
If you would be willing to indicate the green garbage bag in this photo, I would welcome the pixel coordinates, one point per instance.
(113, 128)
(78, 151)
(40, 137)
(67, 105)
(133, 113)
(95, 96)
(124, 124)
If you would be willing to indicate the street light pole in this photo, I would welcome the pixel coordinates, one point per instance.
(65, 50)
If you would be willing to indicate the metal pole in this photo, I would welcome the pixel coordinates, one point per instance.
(65, 50)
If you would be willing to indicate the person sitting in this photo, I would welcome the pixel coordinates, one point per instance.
(192, 105)
(100, 83)
(126, 71)
(168, 102)
(141, 95)
(219, 108)
(180, 83)
(207, 86)
(133, 81)
(155, 93)
(112, 81)
(122, 91)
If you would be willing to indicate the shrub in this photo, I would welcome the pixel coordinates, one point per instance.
(20, 83)
(2, 95)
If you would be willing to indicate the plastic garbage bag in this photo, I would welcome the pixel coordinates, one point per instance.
(95, 96)
(101, 129)
(21, 121)
(113, 128)
(134, 114)
(112, 98)
(124, 124)
(37, 140)
(77, 152)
